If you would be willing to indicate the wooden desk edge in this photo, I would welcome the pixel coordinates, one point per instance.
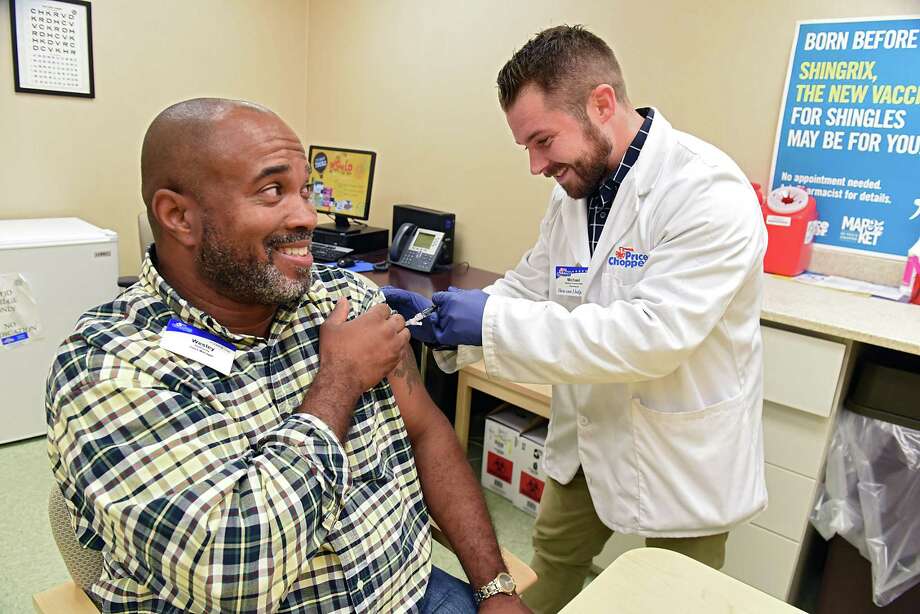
(473, 377)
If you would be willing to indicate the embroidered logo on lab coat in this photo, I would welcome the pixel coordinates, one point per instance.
(627, 258)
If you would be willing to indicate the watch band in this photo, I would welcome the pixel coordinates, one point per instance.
(502, 583)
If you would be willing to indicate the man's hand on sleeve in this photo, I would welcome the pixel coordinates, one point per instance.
(354, 356)
(363, 350)
(459, 320)
(407, 304)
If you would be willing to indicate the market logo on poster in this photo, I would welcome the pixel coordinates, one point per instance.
(861, 230)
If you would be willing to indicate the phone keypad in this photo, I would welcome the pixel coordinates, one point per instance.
(417, 260)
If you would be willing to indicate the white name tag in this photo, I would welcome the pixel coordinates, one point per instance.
(198, 345)
(570, 280)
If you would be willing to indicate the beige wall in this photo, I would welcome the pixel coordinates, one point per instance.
(415, 81)
(63, 156)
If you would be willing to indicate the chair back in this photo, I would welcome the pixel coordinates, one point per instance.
(84, 564)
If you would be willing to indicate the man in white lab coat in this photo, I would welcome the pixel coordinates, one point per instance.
(639, 302)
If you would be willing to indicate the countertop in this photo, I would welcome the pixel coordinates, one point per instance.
(842, 314)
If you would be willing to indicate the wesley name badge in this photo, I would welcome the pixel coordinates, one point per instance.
(198, 345)
(570, 280)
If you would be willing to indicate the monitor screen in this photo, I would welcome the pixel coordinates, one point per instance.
(423, 240)
(341, 180)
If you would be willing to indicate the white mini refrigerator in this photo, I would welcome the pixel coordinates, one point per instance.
(51, 271)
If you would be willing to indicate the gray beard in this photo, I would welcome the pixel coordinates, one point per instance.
(245, 279)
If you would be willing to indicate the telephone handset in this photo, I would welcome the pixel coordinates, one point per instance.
(401, 240)
(416, 248)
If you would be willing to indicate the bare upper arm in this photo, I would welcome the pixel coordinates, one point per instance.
(415, 405)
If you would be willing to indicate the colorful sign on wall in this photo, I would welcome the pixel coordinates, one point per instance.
(342, 179)
(849, 131)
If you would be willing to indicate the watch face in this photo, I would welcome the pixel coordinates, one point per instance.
(506, 582)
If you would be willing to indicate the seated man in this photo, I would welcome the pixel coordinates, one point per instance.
(240, 431)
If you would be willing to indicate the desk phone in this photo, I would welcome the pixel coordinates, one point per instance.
(416, 248)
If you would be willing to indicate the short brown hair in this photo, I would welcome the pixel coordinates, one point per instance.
(566, 63)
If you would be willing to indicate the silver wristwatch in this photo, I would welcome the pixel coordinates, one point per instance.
(503, 583)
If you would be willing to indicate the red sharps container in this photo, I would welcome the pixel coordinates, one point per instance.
(790, 215)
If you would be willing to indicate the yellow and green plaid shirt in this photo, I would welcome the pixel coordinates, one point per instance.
(211, 493)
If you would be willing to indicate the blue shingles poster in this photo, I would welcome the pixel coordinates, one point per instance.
(849, 131)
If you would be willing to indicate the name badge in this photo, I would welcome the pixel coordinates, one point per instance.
(570, 280)
(198, 345)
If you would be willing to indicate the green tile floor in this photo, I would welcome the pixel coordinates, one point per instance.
(30, 562)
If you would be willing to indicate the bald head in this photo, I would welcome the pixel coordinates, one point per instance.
(179, 147)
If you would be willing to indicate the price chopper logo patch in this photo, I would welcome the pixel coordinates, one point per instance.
(627, 258)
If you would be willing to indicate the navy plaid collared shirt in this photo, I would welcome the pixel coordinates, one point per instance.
(209, 492)
(601, 200)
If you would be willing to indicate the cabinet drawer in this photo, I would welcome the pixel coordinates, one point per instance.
(762, 559)
(801, 371)
(794, 439)
(790, 497)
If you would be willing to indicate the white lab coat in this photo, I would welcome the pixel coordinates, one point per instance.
(656, 369)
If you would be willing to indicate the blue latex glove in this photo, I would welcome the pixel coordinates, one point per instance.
(407, 304)
(459, 316)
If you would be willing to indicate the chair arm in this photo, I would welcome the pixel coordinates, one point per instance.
(66, 597)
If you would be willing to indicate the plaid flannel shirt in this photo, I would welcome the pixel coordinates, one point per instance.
(601, 201)
(211, 493)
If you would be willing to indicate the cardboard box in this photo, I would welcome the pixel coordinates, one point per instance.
(531, 479)
(503, 426)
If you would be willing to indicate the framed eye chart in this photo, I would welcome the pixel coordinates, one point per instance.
(53, 47)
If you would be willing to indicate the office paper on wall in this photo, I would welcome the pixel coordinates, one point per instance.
(849, 131)
(19, 319)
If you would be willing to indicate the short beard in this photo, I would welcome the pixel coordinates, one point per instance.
(591, 168)
(242, 277)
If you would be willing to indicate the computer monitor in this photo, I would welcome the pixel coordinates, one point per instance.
(341, 183)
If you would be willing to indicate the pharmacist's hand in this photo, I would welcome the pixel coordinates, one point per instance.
(459, 314)
(408, 304)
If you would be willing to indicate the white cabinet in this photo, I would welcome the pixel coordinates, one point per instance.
(800, 371)
(794, 439)
(784, 515)
(761, 558)
(803, 379)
